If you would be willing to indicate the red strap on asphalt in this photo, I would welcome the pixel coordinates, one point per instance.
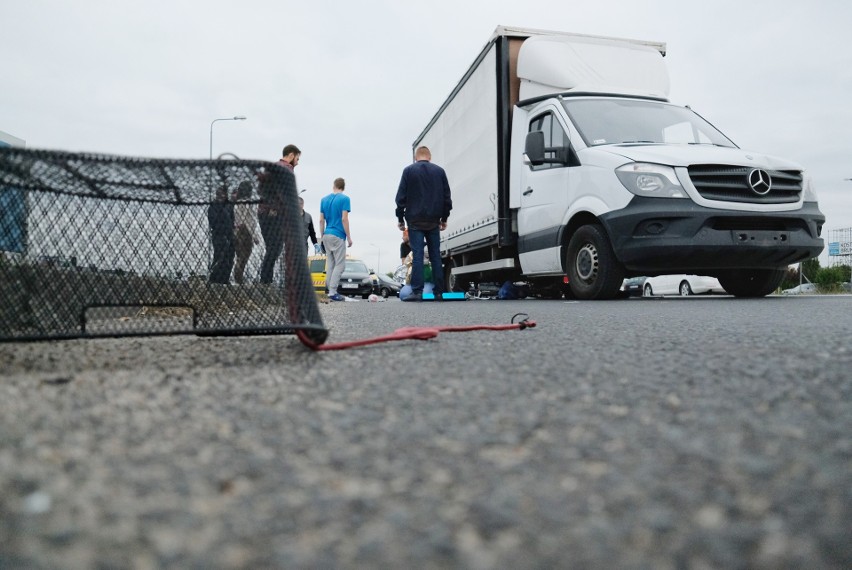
(416, 333)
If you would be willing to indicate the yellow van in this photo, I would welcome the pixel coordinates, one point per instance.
(316, 265)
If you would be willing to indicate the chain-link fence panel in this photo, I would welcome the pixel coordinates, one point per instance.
(94, 245)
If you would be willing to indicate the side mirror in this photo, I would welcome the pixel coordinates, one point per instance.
(534, 148)
(534, 151)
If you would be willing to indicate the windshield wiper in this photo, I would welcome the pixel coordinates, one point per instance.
(638, 142)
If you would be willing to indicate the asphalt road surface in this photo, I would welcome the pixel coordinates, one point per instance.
(643, 433)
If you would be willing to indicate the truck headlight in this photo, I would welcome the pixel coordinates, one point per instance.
(650, 180)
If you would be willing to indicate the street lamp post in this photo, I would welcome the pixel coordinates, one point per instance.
(850, 255)
(378, 259)
(237, 118)
(214, 121)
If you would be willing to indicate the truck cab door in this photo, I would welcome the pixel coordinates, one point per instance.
(544, 198)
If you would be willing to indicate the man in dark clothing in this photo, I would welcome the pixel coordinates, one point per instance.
(220, 216)
(269, 215)
(423, 200)
(310, 232)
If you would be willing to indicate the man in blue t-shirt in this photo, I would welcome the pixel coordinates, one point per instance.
(334, 229)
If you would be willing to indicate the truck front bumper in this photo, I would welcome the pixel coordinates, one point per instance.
(658, 235)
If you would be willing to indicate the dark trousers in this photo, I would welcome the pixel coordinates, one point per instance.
(432, 239)
(223, 259)
(272, 231)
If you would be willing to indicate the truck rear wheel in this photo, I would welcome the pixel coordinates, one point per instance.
(751, 282)
(451, 282)
(593, 271)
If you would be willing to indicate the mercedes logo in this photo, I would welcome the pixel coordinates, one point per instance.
(759, 181)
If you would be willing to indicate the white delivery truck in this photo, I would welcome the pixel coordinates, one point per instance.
(571, 170)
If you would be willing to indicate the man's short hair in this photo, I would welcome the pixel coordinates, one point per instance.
(340, 183)
(424, 152)
(290, 149)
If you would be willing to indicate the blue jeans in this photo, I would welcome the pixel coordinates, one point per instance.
(432, 238)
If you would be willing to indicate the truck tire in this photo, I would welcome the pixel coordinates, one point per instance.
(593, 271)
(751, 282)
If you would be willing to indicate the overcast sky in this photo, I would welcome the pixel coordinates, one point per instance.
(353, 83)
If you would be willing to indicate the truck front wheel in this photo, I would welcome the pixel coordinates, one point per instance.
(593, 271)
(751, 282)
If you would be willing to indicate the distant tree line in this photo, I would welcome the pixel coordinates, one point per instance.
(826, 278)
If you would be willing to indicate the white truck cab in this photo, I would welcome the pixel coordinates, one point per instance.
(588, 174)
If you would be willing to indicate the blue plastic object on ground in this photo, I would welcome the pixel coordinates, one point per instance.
(450, 296)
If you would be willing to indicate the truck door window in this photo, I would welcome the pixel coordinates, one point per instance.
(554, 136)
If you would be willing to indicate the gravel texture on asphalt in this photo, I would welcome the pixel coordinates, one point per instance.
(643, 433)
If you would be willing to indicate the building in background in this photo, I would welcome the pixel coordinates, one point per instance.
(839, 247)
(8, 140)
(13, 208)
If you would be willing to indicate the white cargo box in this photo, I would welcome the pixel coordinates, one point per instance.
(555, 64)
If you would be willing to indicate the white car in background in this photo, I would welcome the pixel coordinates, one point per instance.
(681, 284)
(803, 289)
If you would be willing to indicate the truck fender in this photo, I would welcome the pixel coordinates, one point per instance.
(586, 210)
(586, 205)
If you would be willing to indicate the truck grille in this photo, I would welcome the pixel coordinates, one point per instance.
(731, 184)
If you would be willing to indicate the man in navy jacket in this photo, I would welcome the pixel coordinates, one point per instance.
(423, 200)
(220, 216)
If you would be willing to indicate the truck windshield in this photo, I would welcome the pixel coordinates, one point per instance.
(622, 121)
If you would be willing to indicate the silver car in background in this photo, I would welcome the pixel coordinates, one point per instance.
(681, 284)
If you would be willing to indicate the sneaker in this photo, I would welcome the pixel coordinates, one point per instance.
(414, 298)
(336, 297)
